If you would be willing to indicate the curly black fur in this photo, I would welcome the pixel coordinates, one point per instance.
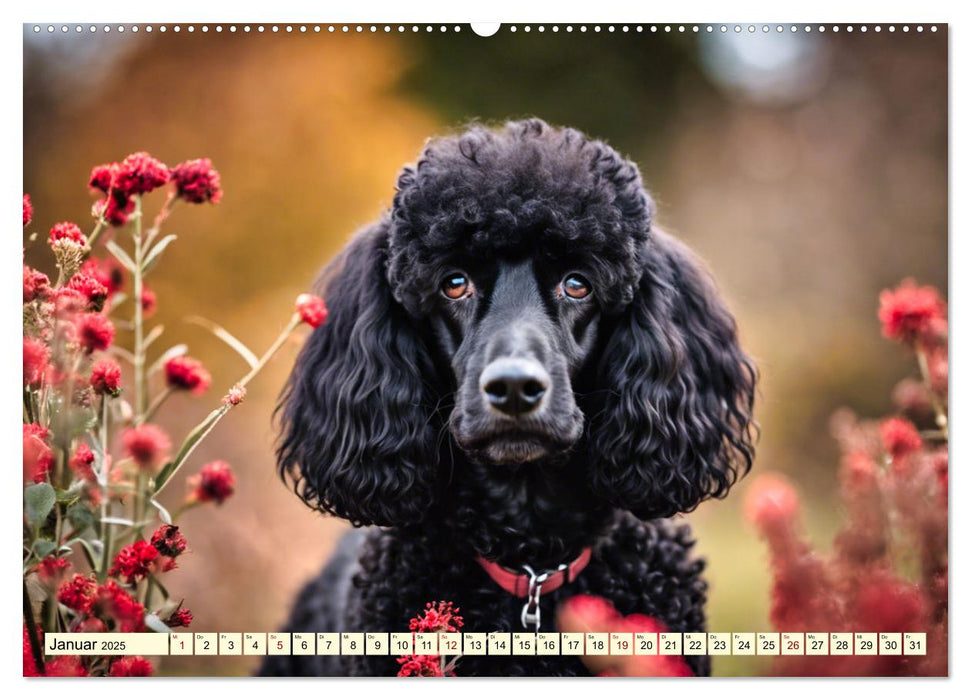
(648, 414)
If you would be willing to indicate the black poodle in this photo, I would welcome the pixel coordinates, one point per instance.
(519, 374)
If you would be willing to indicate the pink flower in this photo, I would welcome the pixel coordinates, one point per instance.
(235, 396)
(37, 358)
(180, 618)
(197, 181)
(106, 377)
(771, 502)
(169, 541)
(77, 593)
(437, 617)
(114, 209)
(36, 285)
(107, 272)
(900, 437)
(147, 444)
(312, 309)
(140, 173)
(909, 312)
(82, 462)
(67, 231)
(28, 210)
(102, 177)
(51, 571)
(38, 456)
(183, 372)
(215, 482)
(91, 288)
(95, 332)
(131, 666)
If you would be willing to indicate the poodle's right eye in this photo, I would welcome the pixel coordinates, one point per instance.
(456, 286)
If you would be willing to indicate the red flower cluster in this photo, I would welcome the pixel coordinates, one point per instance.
(56, 666)
(107, 272)
(131, 666)
(147, 444)
(91, 288)
(106, 377)
(134, 562)
(37, 359)
(169, 541)
(51, 571)
(137, 174)
(82, 462)
(38, 456)
(437, 617)
(585, 613)
(312, 309)
(78, 592)
(215, 482)
(900, 438)
(184, 372)
(420, 665)
(196, 181)
(67, 231)
(36, 285)
(28, 210)
(180, 618)
(910, 313)
(95, 332)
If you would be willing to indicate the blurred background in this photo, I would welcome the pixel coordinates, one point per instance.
(809, 170)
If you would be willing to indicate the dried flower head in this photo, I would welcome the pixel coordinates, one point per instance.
(91, 288)
(909, 312)
(134, 562)
(900, 437)
(82, 462)
(51, 571)
(139, 174)
(67, 231)
(437, 617)
(36, 285)
(102, 177)
(235, 395)
(169, 541)
(114, 209)
(182, 617)
(37, 357)
(106, 377)
(95, 332)
(78, 593)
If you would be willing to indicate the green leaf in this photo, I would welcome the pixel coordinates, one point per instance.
(92, 552)
(154, 254)
(39, 500)
(232, 341)
(121, 255)
(80, 517)
(194, 438)
(42, 548)
(153, 622)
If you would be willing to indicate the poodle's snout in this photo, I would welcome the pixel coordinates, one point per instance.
(514, 386)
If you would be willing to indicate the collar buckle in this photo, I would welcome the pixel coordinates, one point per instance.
(531, 615)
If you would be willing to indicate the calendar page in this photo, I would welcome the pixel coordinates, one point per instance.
(398, 349)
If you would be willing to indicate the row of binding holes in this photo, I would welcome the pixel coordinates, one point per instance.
(414, 28)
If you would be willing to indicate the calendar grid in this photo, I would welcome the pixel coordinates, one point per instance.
(491, 644)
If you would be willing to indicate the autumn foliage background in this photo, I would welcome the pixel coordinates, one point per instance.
(809, 185)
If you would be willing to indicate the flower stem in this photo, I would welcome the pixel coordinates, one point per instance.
(141, 399)
(935, 400)
(157, 403)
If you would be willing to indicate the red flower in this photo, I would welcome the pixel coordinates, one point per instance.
(312, 309)
(858, 472)
(67, 231)
(214, 482)
(197, 181)
(108, 272)
(113, 601)
(134, 562)
(36, 285)
(78, 593)
(235, 396)
(95, 332)
(183, 372)
(140, 173)
(106, 377)
(28, 210)
(420, 666)
(900, 437)
(82, 461)
(147, 444)
(149, 302)
(131, 666)
(771, 502)
(51, 570)
(68, 302)
(102, 177)
(180, 618)
(169, 541)
(437, 617)
(114, 209)
(38, 456)
(91, 288)
(909, 312)
(36, 361)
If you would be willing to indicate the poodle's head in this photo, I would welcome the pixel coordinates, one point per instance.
(518, 298)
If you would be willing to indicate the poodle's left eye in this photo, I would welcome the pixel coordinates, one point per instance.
(575, 286)
(456, 286)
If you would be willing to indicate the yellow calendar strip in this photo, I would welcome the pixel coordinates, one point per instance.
(488, 644)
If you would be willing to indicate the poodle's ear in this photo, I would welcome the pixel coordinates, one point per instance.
(675, 424)
(358, 439)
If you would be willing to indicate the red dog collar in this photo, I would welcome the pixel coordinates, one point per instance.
(519, 584)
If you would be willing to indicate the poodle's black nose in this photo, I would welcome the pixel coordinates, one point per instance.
(515, 386)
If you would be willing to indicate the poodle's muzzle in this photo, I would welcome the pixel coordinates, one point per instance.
(515, 400)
